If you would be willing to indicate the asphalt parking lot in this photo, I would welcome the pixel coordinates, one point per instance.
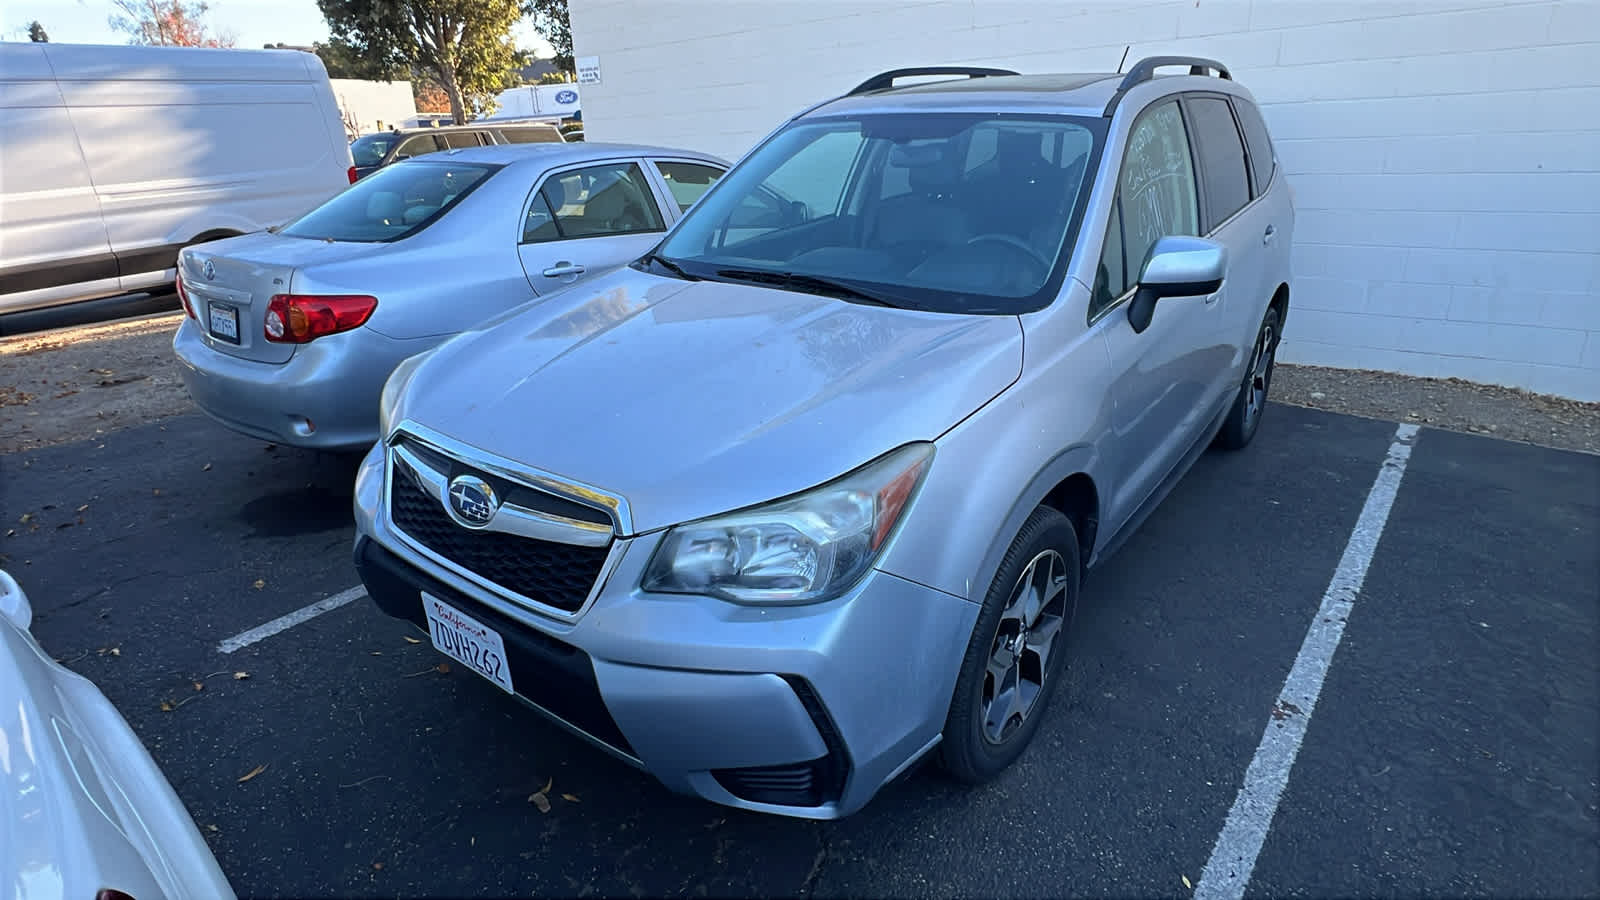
(1453, 749)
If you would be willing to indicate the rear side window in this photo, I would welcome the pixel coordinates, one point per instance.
(1255, 134)
(460, 140)
(420, 145)
(545, 135)
(597, 201)
(392, 203)
(1222, 163)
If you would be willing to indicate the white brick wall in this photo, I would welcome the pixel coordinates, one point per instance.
(1445, 154)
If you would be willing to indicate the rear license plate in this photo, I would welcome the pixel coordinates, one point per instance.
(467, 641)
(224, 322)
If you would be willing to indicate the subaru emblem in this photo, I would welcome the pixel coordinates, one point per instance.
(472, 502)
(210, 270)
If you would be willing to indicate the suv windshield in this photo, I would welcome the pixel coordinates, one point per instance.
(370, 150)
(951, 212)
(394, 202)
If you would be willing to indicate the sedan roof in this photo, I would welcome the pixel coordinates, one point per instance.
(554, 154)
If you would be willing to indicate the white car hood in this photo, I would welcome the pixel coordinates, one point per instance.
(82, 804)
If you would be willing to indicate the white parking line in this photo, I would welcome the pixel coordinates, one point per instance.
(283, 623)
(1233, 858)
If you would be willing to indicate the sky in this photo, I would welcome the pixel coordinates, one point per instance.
(252, 22)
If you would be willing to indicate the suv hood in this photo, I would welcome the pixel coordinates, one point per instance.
(696, 398)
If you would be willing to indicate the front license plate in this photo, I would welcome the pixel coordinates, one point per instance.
(467, 641)
(224, 322)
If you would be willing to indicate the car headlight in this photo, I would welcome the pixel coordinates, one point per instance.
(808, 548)
(393, 389)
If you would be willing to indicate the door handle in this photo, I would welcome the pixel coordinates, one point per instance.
(1269, 234)
(563, 269)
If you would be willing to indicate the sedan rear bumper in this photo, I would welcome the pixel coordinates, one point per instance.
(325, 397)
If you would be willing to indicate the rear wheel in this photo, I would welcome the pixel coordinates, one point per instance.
(1245, 416)
(1017, 651)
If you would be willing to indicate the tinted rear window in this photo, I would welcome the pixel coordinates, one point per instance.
(370, 150)
(393, 202)
(545, 135)
(1255, 132)
(1222, 166)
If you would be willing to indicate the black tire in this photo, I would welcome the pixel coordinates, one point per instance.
(1250, 404)
(972, 750)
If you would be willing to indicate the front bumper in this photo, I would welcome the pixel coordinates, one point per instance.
(803, 711)
(325, 397)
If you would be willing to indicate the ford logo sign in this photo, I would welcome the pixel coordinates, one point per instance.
(566, 96)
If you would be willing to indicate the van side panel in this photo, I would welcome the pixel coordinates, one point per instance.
(51, 236)
(179, 144)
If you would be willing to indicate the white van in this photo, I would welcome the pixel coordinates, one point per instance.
(114, 158)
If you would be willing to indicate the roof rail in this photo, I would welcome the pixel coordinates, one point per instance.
(1145, 70)
(885, 80)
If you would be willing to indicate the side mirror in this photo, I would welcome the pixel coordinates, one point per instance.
(1177, 267)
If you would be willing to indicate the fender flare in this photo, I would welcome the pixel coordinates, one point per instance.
(1080, 459)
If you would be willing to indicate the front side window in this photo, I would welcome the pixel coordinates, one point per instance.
(1222, 163)
(1156, 197)
(950, 212)
(595, 201)
(687, 181)
(392, 203)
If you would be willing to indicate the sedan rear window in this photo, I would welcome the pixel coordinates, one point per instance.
(394, 202)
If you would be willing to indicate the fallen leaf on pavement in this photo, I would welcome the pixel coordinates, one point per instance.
(378, 866)
(83, 507)
(410, 639)
(538, 798)
(156, 491)
(26, 517)
(213, 829)
(206, 467)
(199, 685)
(569, 798)
(166, 706)
(260, 583)
(252, 773)
(442, 668)
(1186, 881)
(240, 676)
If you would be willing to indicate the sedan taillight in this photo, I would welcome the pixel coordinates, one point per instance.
(301, 318)
(183, 297)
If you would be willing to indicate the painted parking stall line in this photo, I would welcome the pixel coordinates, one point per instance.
(285, 622)
(1233, 858)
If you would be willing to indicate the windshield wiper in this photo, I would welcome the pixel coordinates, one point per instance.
(811, 284)
(669, 265)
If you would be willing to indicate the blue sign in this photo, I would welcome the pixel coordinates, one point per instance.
(566, 96)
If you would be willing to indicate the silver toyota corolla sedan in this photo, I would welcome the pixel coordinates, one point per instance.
(806, 492)
(290, 334)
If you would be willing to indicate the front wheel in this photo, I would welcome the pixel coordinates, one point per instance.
(1245, 416)
(1017, 651)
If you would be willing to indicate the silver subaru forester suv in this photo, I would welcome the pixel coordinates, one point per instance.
(806, 493)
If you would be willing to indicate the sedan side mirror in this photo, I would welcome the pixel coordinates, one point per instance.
(1177, 267)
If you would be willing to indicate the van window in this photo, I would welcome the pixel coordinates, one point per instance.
(392, 203)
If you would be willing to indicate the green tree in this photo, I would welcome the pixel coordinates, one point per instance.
(344, 61)
(36, 33)
(465, 44)
(550, 19)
